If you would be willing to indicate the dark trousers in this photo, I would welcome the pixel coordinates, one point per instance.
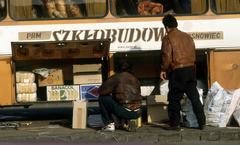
(109, 106)
(183, 80)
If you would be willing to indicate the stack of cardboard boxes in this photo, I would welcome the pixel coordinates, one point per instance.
(89, 77)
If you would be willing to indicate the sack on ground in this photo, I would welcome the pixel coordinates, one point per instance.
(187, 114)
(216, 106)
(236, 116)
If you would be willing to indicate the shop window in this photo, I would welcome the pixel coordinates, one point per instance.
(2, 9)
(60, 9)
(157, 7)
(225, 6)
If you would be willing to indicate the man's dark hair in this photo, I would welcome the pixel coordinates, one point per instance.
(124, 66)
(170, 21)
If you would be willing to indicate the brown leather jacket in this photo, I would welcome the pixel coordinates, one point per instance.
(178, 50)
(125, 87)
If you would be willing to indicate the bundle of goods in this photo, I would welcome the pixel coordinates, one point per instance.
(25, 77)
(74, 10)
(150, 8)
(2, 4)
(217, 106)
(59, 9)
(27, 97)
(50, 5)
(25, 87)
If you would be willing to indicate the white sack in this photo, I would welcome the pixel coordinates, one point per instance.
(190, 119)
(164, 87)
(236, 116)
(217, 104)
(234, 104)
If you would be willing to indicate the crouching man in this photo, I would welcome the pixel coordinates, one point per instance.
(120, 95)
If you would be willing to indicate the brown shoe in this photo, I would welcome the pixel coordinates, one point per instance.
(176, 128)
(202, 127)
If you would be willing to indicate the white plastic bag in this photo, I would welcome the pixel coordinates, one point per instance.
(217, 104)
(188, 115)
(164, 87)
(236, 116)
(234, 104)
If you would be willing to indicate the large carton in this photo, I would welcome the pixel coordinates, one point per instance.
(54, 78)
(87, 74)
(63, 93)
(157, 108)
(79, 120)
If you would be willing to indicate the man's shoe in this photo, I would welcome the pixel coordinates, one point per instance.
(132, 126)
(110, 127)
(202, 127)
(176, 128)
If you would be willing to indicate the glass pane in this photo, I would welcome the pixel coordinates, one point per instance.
(157, 7)
(226, 6)
(37, 9)
(2, 9)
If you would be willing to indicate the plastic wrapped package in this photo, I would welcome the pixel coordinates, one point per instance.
(50, 5)
(74, 10)
(26, 87)
(150, 8)
(25, 77)
(236, 116)
(27, 97)
(2, 4)
(217, 106)
(61, 7)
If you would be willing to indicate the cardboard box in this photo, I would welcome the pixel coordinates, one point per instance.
(87, 78)
(87, 68)
(63, 93)
(54, 78)
(89, 92)
(157, 108)
(79, 120)
(87, 74)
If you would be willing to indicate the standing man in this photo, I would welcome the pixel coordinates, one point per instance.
(178, 58)
(120, 95)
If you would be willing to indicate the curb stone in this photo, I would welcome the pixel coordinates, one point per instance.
(169, 137)
(191, 136)
(229, 135)
(210, 136)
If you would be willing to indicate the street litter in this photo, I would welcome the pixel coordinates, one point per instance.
(53, 126)
(6, 125)
(26, 123)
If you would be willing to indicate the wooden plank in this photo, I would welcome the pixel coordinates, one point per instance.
(7, 90)
(225, 69)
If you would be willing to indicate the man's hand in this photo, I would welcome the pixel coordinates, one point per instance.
(163, 75)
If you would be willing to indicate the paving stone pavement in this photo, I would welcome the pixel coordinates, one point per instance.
(148, 133)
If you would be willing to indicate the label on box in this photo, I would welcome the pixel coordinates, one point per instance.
(63, 93)
(89, 91)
